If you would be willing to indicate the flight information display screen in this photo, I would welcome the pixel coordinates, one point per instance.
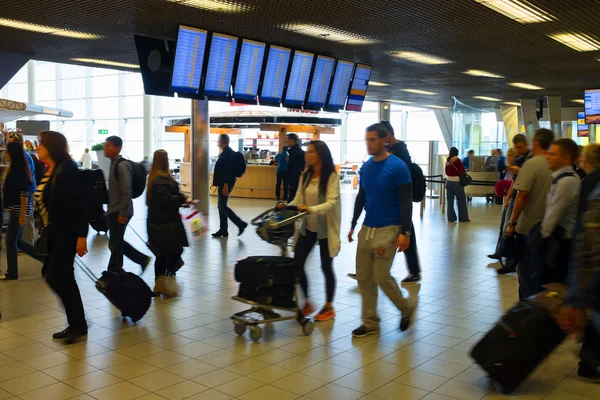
(341, 84)
(298, 80)
(592, 106)
(220, 65)
(319, 86)
(582, 128)
(360, 84)
(250, 64)
(278, 61)
(189, 58)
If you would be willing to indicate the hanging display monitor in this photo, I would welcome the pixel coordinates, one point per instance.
(250, 64)
(298, 81)
(220, 65)
(321, 80)
(360, 84)
(340, 86)
(278, 62)
(189, 59)
(582, 128)
(592, 106)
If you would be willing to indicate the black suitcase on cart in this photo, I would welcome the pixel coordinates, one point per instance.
(276, 296)
(517, 344)
(267, 271)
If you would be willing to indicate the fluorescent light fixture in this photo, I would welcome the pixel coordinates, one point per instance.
(578, 101)
(478, 72)
(418, 91)
(577, 41)
(519, 10)
(105, 62)
(512, 103)
(527, 86)
(328, 33)
(486, 98)
(398, 101)
(224, 6)
(48, 30)
(373, 83)
(420, 58)
(434, 106)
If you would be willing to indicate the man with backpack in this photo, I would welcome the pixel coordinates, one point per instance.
(230, 166)
(296, 164)
(125, 181)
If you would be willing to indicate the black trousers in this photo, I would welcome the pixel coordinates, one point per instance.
(60, 275)
(226, 212)
(166, 265)
(282, 177)
(119, 247)
(412, 254)
(303, 248)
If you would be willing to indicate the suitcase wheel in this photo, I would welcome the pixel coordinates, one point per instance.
(255, 333)
(239, 327)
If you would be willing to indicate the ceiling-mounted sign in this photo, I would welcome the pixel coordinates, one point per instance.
(102, 131)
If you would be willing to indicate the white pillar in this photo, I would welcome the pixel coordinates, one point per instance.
(510, 117)
(200, 129)
(444, 118)
(529, 112)
(148, 126)
(31, 82)
(555, 114)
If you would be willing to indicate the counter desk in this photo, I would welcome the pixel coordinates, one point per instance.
(257, 183)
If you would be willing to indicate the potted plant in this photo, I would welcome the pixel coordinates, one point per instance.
(103, 161)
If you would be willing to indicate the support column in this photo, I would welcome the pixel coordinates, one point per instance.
(444, 118)
(200, 129)
(404, 129)
(592, 133)
(31, 82)
(529, 112)
(555, 114)
(510, 117)
(385, 111)
(148, 125)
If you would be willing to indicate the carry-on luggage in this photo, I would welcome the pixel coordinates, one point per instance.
(518, 343)
(266, 271)
(276, 296)
(126, 291)
(100, 224)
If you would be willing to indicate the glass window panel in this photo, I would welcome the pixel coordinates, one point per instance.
(358, 122)
(76, 150)
(105, 86)
(134, 130)
(422, 125)
(77, 107)
(103, 71)
(133, 106)
(72, 71)
(51, 103)
(132, 84)
(133, 150)
(45, 71)
(356, 151)
(175, 149)
(21, 76)
(45, 91)
(74, 131)
(111, 125)
(73, 88)
(175, 107)
(16, 92)
(105, 108)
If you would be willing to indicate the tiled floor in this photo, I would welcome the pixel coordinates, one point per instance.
(185, 348)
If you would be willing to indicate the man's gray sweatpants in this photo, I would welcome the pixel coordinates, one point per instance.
(374, 259)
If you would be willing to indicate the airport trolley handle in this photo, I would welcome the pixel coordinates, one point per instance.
(277, 225)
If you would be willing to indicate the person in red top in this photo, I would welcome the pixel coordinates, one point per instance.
(454, 189)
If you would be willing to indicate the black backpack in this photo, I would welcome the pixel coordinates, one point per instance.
(419, 186)
(139, 175)
(239, 165)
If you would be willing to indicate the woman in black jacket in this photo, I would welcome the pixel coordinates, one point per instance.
(63, 209)
(166, 234)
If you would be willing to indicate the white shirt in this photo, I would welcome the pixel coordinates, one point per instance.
(561, 204)
(311, 198)
(86, 161)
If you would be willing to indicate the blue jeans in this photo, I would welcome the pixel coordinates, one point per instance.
(14, 242)
(225, 212)
(456, 190)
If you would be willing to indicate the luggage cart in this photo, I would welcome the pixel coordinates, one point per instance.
(275, 227)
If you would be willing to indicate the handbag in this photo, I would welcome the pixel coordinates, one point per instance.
(42, 244)
(465, 179)
(512, 247)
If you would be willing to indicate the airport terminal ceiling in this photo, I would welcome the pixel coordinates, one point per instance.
(461, 35)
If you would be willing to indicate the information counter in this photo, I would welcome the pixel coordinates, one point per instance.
(257, 183)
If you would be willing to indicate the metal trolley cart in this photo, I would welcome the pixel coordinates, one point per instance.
(275, 227)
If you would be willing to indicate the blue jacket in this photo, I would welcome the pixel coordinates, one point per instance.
(29, 160)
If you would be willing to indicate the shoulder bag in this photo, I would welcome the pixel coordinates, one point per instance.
(465, 179)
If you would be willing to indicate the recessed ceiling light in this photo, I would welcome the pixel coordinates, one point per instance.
(216, 5)
(486, 98)
(579, 101)
(577, 41)
(373, 83)
(105, 62)
(512, 103)
(420, 58)
(399, 101)
(418, 91)
(49, 30)
(527, 86)
(519, 10)
(478, 72)
(434, 106)
(328, 33)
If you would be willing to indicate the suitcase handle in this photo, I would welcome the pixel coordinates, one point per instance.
(85, 269)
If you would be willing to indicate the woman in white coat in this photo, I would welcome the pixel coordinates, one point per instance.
(319, 196)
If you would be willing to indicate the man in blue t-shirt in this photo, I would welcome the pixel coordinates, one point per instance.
(386, 195)
(281, 160)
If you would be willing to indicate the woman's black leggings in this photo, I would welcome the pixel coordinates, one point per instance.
(166, 265)
(303, 248)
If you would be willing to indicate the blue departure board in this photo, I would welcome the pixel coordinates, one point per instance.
(341, 84)
(360, 84)
(250, 64)
(320, 82)
(189, 58)
(220, 65)
(275, 74)
(592, 106)
(298, 80)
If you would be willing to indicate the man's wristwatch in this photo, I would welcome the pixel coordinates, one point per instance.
(513, 224)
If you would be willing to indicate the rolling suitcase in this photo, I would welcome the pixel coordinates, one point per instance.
(267, 271)
(276, 296)
(126, 291)
(517, 344)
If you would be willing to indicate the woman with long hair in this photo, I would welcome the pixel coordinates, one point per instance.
(319, 196)
(64, 210)
(18, 203)
(166, 234)
(454, 189)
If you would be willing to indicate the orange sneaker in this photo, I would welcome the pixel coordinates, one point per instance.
(308, 309)
(325, 314)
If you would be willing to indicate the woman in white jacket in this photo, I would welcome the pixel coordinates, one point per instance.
(319, 195)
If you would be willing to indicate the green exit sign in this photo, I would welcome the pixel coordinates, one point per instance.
(102, 131)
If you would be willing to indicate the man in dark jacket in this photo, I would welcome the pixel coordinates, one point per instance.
(590, 163)
(295, 164)
(224, 178)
